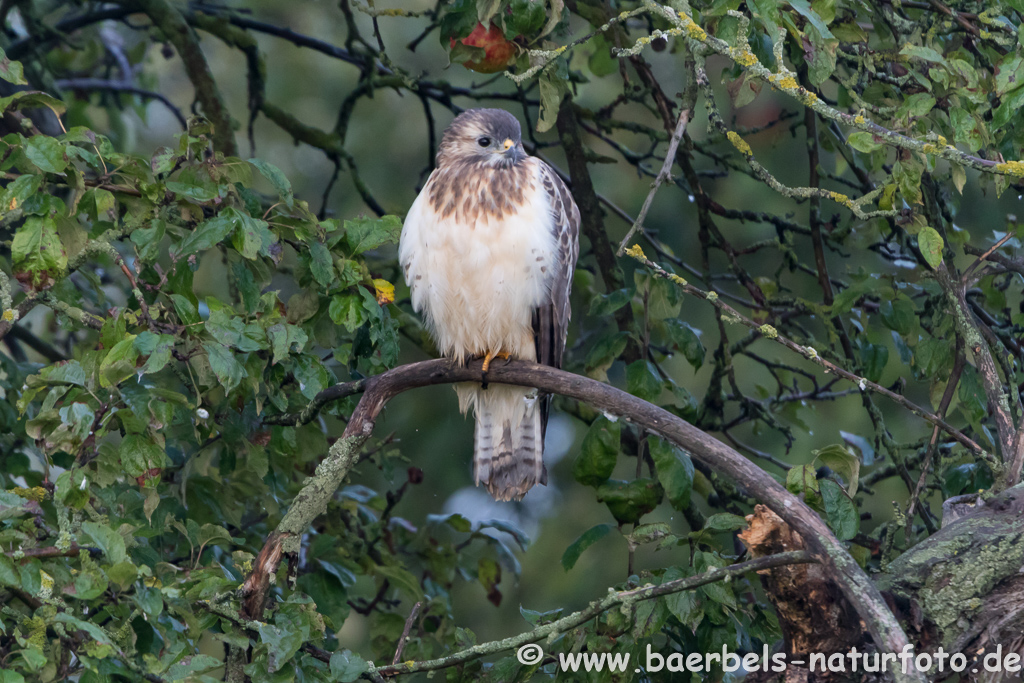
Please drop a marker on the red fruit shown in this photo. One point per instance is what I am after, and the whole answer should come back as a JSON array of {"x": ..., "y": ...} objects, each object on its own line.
[{"x": 498, "y": 52}]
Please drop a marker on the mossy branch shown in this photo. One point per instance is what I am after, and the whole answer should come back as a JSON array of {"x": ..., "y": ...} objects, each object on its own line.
[
  {"x": 785, "y": 81},
  {"x": 176, "y": 29},
  {"x": 621, "y": 599}
]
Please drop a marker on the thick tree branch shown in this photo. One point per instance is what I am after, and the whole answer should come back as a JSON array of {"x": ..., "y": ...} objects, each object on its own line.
[{"x": 312, "y": 500}]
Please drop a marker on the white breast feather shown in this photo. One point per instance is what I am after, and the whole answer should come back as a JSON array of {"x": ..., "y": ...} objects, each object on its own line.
[{"x": 478, "y": 283}]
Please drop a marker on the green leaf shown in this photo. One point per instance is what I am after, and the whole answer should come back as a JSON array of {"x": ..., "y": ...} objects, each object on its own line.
[
  {"x": 108, "y": 540},
  {"x": 119, "y": 363},
  {"x": 364, "y": 234},
  {"x": 191, "y": 664},
  {"x": 586, "y": 539},
  {"x": 899, "y": 314},
  {"x": 607, "y": 348},
  {"x": 649, "y": 533},
  {"x": 347, "y": 310},
  {"x": 552, "y": 89},
  {"x": 921, "y": 52},
  {"x": 841, "y": 461},
  {"x": 12, "y": 72},
  {"x": 157, "y": 347},
  {"x": 46, "y": 153},
  {"x": 687, "y": 339},
  {"x": 628, "y": 501},
  {"x": 598, "y": 453},
  {"x": 186, "y": 310},
  {"x": 862, "y": 141},
  {"x": 685, "y": 605},
  {"x": 38, "y": 256},
  {"x": 321, "y": 264},
  {"x": 840, "y": 510},
  {"x": 8, "y": 574},
  {"x": 209, "y": 233},
  {"x": 31, "y": 98},
  {"x": 282, "y": 337},
  {"x": 642, "y": 380},
  {"x": 347, "y": 667},
  {"x": 675, "y": 471},
  {"x": 223, "y": 363},
  {"x": 724, "y": 521},
  {"x": 95, "y": 632},
  {"x": 401, "y": 578},
  {"x": 252, "y": 236},
  {"x": 929, "y": 241},
  {"x": 284, "y": 638},
  {"x": 277, "y": 179},
  {"x": 526, "y": 17},
  {"x": 802, "y": 479},
  {"x": 139, "y": 455}
]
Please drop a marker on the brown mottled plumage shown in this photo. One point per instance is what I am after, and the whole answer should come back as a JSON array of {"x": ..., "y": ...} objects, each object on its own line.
[{"x": 488, "y": 249}]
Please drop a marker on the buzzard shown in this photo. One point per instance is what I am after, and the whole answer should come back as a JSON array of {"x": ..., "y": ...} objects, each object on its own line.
[{"x": 488, "y": 250}]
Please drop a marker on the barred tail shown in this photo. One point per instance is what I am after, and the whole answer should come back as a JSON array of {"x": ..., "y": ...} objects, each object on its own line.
[{"x": 508, "y": 449}]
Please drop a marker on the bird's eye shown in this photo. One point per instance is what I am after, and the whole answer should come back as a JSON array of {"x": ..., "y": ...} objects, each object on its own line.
[{"x": 484, "y": 141}]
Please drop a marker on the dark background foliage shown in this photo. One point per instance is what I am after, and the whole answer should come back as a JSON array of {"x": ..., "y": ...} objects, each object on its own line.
[{"x": 199, "y": 220}]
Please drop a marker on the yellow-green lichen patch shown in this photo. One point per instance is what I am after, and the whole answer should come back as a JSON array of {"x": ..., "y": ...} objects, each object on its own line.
[
  {"x": 859, "y": 120},
  {"x": 1015, "y": 168},
  {"x": 676, "y": 279},
  {"x": 739, "y": 143},
  {"x": 841, "y": 198},
  {"x": 636, "y": 252},
  {"x": 743, "y": 56},
  {"x": 768, "y": 331},
  {"x": 692, "y": 29},
  {"x": 786, "y": 82}
]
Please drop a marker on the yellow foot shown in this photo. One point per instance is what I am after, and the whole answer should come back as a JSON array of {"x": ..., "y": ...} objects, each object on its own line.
[{"x": 491, "y": 355}]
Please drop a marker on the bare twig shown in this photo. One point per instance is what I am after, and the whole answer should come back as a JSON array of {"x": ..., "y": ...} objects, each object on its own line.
[
  {"x": 665, "y": 174},
  {"x": 415, "y": 612}
]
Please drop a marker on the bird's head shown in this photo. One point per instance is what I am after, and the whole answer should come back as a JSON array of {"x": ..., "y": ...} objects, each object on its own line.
[{"x": 482, "y": 136}]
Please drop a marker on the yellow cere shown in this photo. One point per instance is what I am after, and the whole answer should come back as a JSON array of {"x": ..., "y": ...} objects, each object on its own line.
[
  {"x": 1015, "y": 168},
  {"x": 739, "y": 143},
  {"x": 636, "y": 252}
]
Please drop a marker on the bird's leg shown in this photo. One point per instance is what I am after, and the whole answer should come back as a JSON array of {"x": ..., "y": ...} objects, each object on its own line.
[
  {"x": 488, "y": 357},
  {"x": 491, "y": 355}
]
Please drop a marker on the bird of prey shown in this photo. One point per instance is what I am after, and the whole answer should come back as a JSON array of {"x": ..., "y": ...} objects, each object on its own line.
[{"x": 488, "y": 250}]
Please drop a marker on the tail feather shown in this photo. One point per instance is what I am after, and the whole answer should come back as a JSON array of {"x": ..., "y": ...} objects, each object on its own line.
[{"x": 508, "y": 449}]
